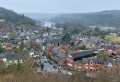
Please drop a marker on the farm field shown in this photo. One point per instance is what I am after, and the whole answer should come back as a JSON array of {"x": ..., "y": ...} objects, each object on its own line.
[
  {"x": 113, "y": 38},
  {"x": 102, "y": 28}
]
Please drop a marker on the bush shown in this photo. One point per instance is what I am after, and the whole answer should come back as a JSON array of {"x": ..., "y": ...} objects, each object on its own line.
[
  {"x": 82, "y": 47},
  {"x": 104, "y": 56}
]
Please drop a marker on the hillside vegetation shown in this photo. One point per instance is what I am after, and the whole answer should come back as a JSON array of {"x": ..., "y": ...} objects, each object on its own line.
[
  {"x": 104, "y": 18},
  {"x": 23, "y": 73},
  {"x": 17, "y": 19}
]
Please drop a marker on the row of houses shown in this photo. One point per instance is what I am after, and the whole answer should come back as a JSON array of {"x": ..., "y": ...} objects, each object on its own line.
[
  {"x": 70, "y": 57},
  {"x": 82, "y": 61},
  {"x": 13, "y": 58}
]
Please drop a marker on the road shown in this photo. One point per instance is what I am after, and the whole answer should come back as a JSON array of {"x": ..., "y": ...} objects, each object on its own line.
[
  {"x": 12, "y": 26},
  {"x": 47, "y": 66}
]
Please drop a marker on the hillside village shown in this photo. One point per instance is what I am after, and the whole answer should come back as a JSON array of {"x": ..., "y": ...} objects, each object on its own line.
[{"x": 50, "y": 53}]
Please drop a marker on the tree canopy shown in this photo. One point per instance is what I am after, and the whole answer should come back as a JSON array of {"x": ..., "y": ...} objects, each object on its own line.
[
  {"x": 21, "y": 46},
  {"x": 104, "y": 18},
  {"x": 1, "y": 49},
  {"x": 104, "y": 56},
  {"x": 17, "y": 19},
  {"x": 66, "y": 38},
  {"x": 82, "y": 47},
  {"x": 72, "y": 44}
]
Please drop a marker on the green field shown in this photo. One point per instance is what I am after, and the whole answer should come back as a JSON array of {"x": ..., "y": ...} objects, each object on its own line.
[
  {"x": 102, "y": 27},
  {"x": 113, "y": 38}
]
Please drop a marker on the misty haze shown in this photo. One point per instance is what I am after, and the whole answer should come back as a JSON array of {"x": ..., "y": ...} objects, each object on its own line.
[{"x": 59, "y": 41}]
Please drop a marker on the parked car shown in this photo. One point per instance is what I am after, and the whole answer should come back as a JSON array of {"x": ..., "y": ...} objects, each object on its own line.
[
  {"x": 50, "y": 62},
  {"x": 45, "y": 61},
  {"x": 45, "y": 57},
  {"x": 55, "y": 67}
]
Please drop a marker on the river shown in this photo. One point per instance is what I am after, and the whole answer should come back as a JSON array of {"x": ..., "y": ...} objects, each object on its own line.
[{"x": 47, "y": 24}]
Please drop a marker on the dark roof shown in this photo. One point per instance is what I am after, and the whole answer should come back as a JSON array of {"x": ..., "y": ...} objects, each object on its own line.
[
  {"x": 58, "y": 54},
  {"x": 114, "y": 49},
  {"x": 3, "y": 34},
  {"x": 15, "y": 56},
  {"x": 103, "y": 41},
  {"x": 95, "y": 61},
  {"x": 89, "y": 41},
  {"x": 80, "y": 41},
  {"x": 111, "y": 42},
  {"x": 113, "y": 62},
  {"x": 53, "y": 40},
  {"x": 71, "y": 48},
  {"x": 31, "y": 50},
  {"x": 104, "y": 46},
  {"x": 111, "y": 47},
  {"x": 118, "y": 53},
  {"x": 98, "y": 44},
  {"x": 82, "y": 54}
]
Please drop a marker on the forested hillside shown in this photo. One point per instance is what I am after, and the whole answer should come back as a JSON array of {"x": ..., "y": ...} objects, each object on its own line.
[
  {"x": 104, "y": 18},
  {"x": 17, "y": 19}
]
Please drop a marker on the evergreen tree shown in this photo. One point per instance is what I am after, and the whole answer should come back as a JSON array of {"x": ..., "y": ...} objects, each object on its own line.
[
  {"x": 82, "y": 47},
  {"x": 72, "y": 44},
  {"x": 21, "y": 47},
  {"x": 97, "y": 29},
  {"x": 18, "y": 67},
  {"x": 1, "y": 50},
  {"x": 102, "y": 37}
]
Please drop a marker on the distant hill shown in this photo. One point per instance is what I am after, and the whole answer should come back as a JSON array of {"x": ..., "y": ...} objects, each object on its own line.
[
  {"x": 104, "y": 18},
  {"x": 16, "y": 19},
  {"x": 41, "y": 16}
]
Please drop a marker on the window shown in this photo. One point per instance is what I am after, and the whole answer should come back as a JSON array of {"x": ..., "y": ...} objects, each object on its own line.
[
  {"x": 90, "y": 65},
  {"x": 75, "y": 65},
  {"x": 86, "y": 65},
  {"x": 91, "y": 62},
  {"x": 79, "y": 70},
  {"x": 79, "y": 67}
]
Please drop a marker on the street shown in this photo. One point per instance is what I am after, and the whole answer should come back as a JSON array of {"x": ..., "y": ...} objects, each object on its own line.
[{"x": 47, "y": 66}]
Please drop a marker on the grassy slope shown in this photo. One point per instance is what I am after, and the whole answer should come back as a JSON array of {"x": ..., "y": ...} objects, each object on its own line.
[{"x": 113, "y": 38}]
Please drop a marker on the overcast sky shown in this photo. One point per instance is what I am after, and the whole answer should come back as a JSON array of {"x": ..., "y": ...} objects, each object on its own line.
[{"x": 60, "y": 6}]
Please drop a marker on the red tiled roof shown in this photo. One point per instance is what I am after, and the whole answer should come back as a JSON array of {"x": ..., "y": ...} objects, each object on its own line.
[
  {"x": 61, "y": 51},
  {"x": 8, "y": 46}
]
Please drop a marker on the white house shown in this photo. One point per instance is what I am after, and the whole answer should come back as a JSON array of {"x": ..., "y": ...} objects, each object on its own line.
[
  {"x": 2, "y": 20},
  {"x": 45, "y": 34}
]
